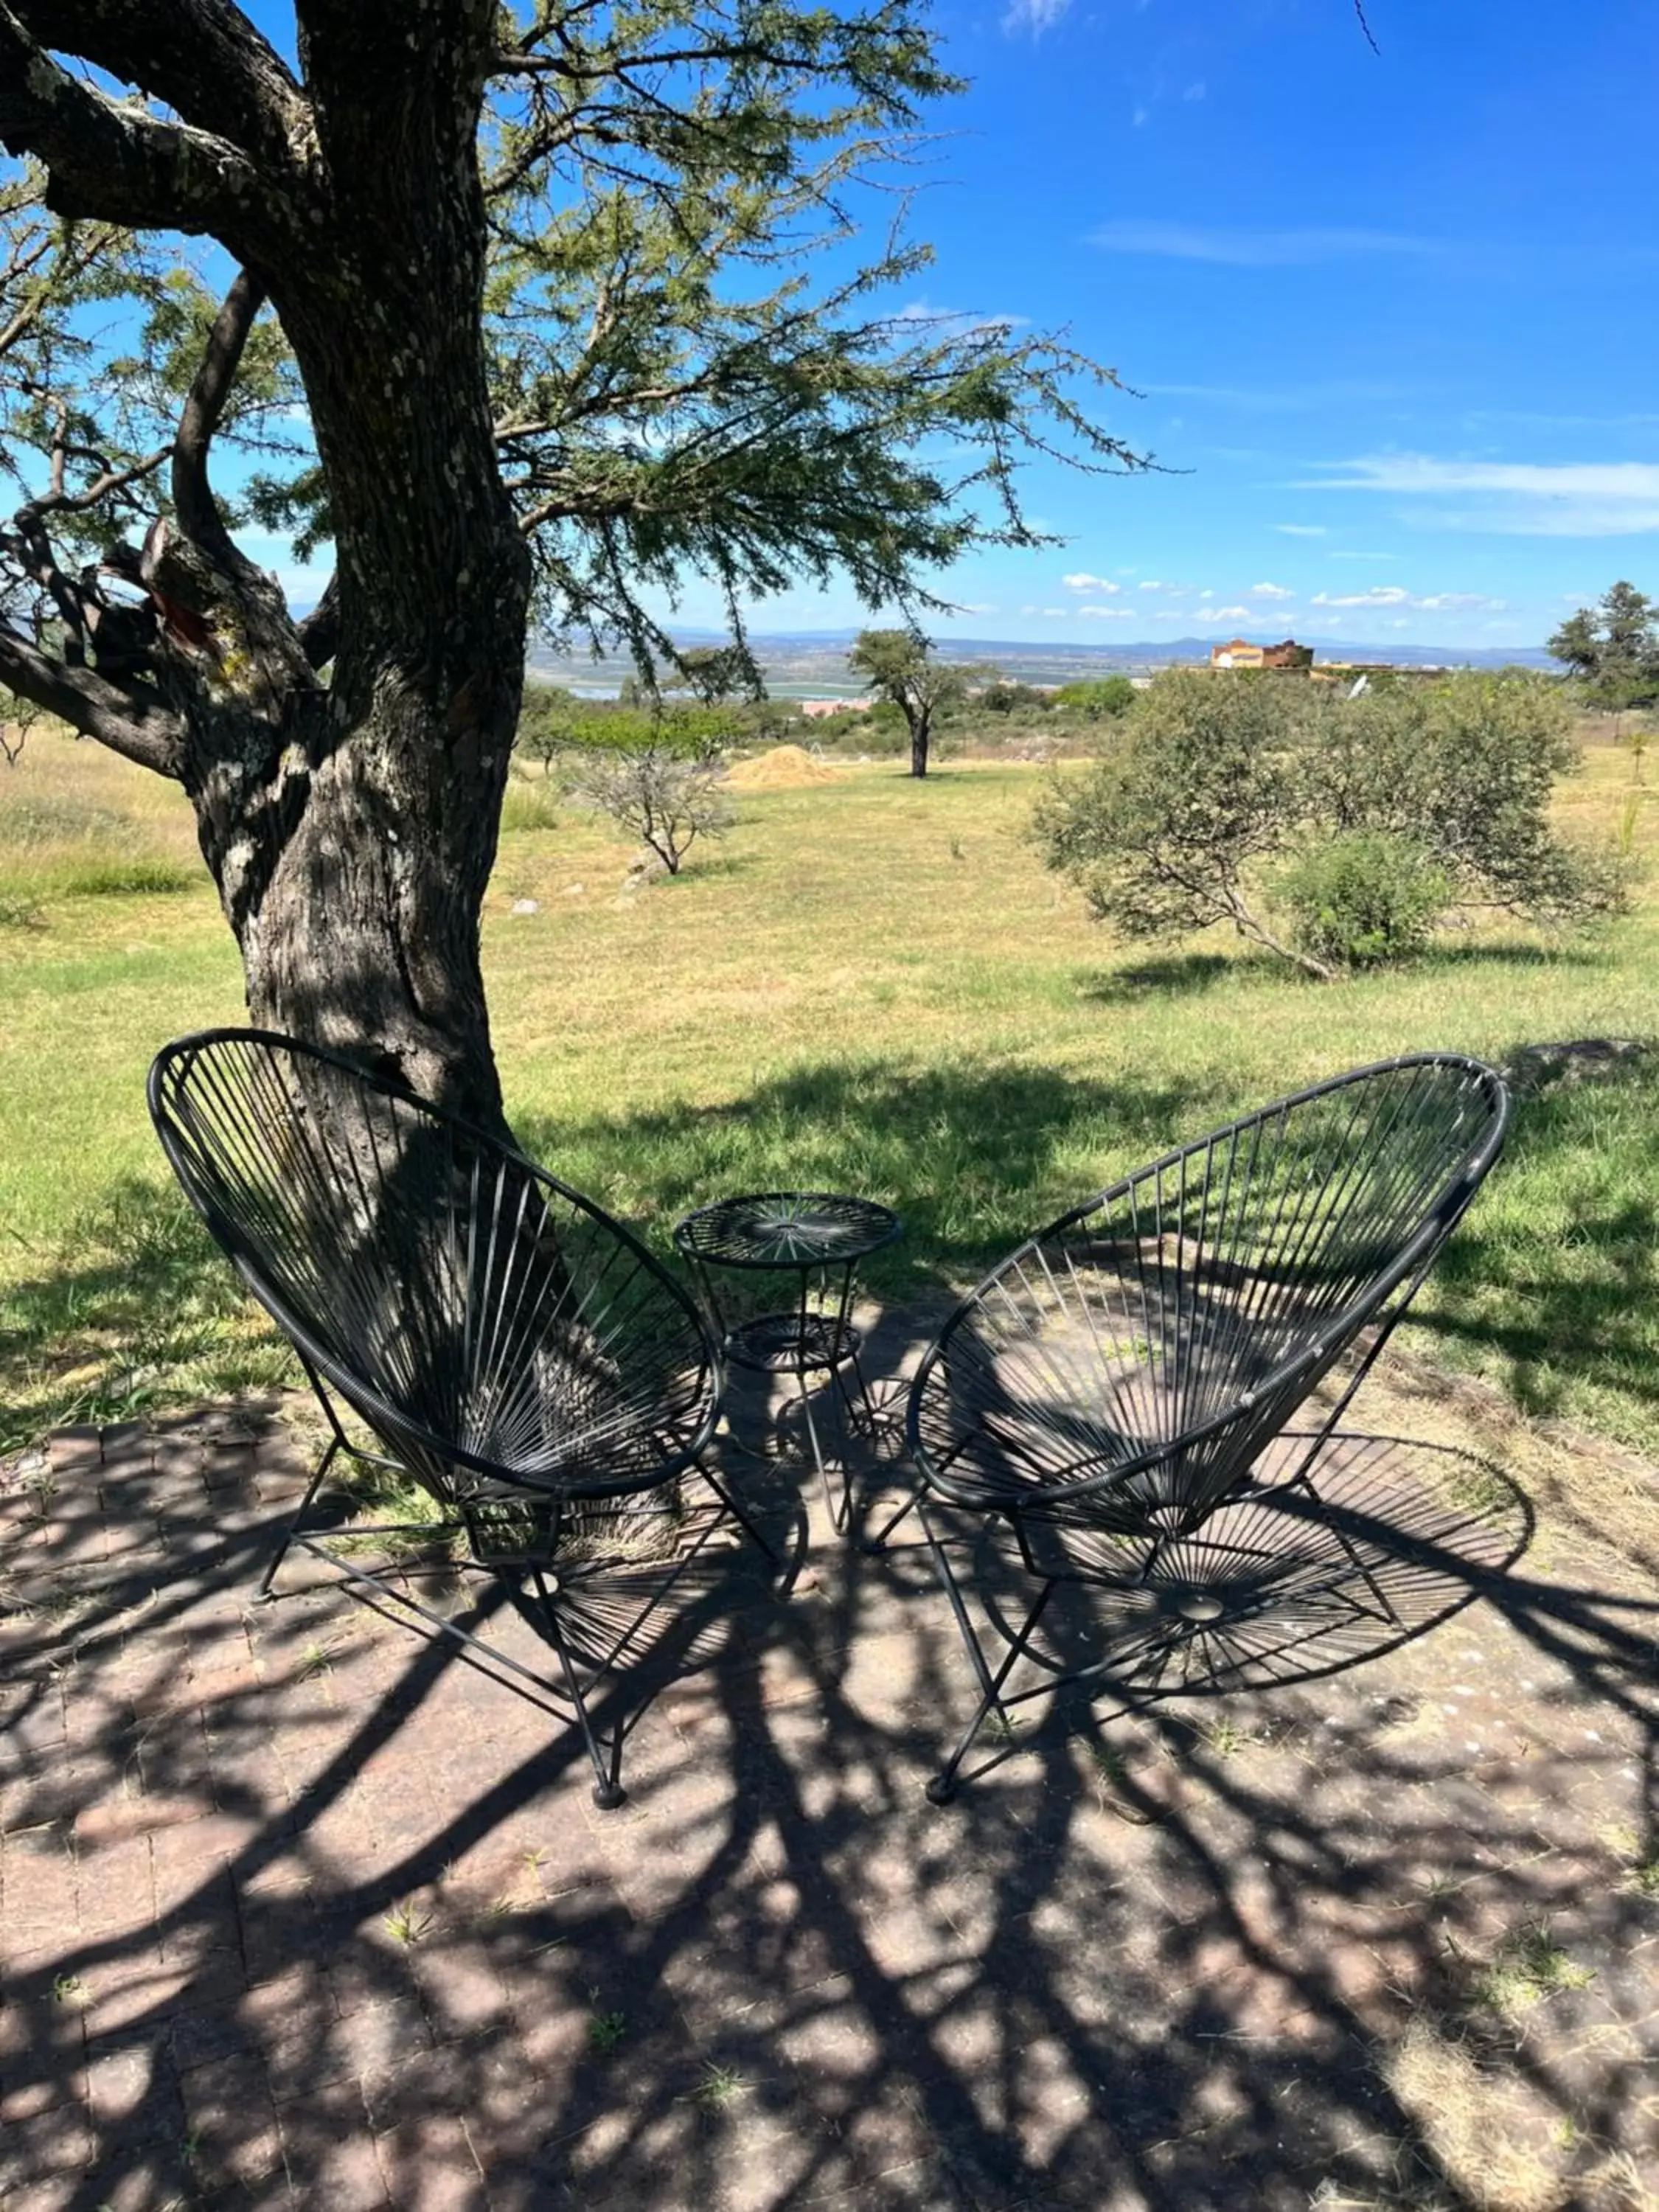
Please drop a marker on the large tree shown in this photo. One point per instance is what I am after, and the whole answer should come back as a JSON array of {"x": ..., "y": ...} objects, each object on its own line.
[{"x": 512, "y": 307}]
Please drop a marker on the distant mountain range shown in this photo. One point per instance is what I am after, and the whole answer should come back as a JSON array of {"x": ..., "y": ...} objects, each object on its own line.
[{"x": 813, "y": 663}]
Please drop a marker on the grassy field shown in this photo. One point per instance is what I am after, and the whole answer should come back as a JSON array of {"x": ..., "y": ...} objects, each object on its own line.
[{"x": 869, "y": 984}]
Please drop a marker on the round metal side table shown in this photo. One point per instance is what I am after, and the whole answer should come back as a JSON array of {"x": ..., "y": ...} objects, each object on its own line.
[{"x": 820, "y": 1237}]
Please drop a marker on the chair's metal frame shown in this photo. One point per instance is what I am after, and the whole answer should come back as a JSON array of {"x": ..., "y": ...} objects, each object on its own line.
[
  {"x": 1106, "y": 1500},
  {"x": 478, "y": 1488}
]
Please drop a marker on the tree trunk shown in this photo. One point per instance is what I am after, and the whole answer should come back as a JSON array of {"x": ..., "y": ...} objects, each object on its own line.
[
  {"x": 920, "y": 733},
  {"x": 352, "y": 830}
]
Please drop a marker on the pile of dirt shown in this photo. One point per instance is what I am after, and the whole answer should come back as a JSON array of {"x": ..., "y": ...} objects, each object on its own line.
[{"x": 781, "y": 769}]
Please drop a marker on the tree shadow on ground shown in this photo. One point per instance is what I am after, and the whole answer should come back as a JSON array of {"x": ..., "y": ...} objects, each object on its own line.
[
  {"x": 974, "y": 1159},
  {"x": 1552, "y": 1283},
  {"x": 291, "y": 1907},
  {"x": 1176, "y": 975}
]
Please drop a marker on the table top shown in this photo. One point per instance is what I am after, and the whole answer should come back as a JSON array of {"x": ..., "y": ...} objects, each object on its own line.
[{"x": 786, "y": 1228}]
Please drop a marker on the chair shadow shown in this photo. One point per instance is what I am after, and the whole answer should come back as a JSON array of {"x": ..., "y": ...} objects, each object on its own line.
[{"x": 1283, "y": 1586}]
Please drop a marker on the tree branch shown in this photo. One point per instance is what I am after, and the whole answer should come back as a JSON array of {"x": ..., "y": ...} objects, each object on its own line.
[
  {"x": 193, "y": 495},
  {"x": 132, "y": 719},
  {"x": 111, "y": 159},
  {"x": 203, "y": 58}
]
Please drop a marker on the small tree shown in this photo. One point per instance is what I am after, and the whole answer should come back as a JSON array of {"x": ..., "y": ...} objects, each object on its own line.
[
  {"x": 1165, "y": 837},
  {"x": 1613, "y": 649},
  {"x": 546, "y": 723},
  {"x": 17, "y": 718},
  {"x": 660, "y": 778},
  {"x": 899, "y": 666}
]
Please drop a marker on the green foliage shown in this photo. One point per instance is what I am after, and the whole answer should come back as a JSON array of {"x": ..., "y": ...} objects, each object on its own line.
[
  {"x": 1001, "y": 694},
  {"x": 1465, "y": 767},
  {"x": 899, "y": 666},
  {"x": 1612, "y": 649},
  {"x": 1219, "y": 777},
  {"x": 1363, "y": 897},
  {"x": 695, "y": 735},
  {"x": 1098, "y": 698},
  {"x": 716, "y": 673},
  {"x": 1161, "y": 837}
]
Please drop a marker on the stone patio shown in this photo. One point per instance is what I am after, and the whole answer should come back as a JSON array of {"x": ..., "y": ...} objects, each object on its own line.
[{"x": 298, "y": 1909}]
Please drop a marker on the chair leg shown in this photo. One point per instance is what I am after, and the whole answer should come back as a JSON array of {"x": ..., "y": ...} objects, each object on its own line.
[
  {"x": 942, "y": 1787},
  {"x": 607, "y": 1792},
  {"x": 265, "y": 1594}
]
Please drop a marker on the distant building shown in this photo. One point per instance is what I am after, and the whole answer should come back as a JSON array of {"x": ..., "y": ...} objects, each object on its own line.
[{"x": 1239, "y": 653}]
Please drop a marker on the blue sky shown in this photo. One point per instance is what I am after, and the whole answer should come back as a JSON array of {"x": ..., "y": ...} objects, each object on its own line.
[{"x": 1392, "y": 315}]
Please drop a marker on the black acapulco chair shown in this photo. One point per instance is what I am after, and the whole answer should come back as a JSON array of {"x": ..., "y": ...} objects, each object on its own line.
[
  {"x": 507, "y": 1344},
  {"x": 1121, "y": 1387}
]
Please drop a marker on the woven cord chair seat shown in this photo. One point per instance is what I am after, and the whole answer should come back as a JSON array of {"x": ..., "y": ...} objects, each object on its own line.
[
  {"x": 1126, "y": 1370},
  {"x": 516, "y": 1351}
]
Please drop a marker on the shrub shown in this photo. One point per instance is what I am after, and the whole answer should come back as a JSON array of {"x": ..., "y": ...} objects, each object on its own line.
[
  {"x": 528, "y": 806},
  {"x": 1363, "y": 897},
  {"x": 663, "y": 789},
  {"x": 1098, "y": 699},
  {"x": 1163, "y": 836},
  {"x": 1218, "y": 778}
]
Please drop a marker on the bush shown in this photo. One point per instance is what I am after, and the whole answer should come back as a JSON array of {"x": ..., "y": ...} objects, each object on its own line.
[
  {"x": 1099, "y": 699},
  {"x": 1363, "y": 897},
  {"x": 1218, "y": 778}
]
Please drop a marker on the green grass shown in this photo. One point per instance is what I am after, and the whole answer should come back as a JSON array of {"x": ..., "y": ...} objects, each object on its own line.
[{"x": 870, "y": 985}]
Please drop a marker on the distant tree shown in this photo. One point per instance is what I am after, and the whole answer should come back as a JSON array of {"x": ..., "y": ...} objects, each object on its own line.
[
  {"x": 997, "y": 694},
  {"x": 546, "y": 720},
  {"x": 717, "y": 672},
  {"x": 899, "y": 666},
  {"x": 1612, "y": 649},
  {"x": 17, "y": 718},
  {"x": 1099, "y": 698}
]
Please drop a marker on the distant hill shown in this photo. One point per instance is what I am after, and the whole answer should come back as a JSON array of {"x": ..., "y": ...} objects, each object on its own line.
[{"x": 813, "y": 663}]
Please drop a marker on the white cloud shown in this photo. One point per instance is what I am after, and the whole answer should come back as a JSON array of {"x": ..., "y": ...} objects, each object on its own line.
[
  {"x": 1083, "y": 581},
  {"x": 1053, "y": 612},
  {"x": 1109, "y": 614},
  {"x": 1393, "y": 595},
  {"x": 1228, "y": 614},
  {"x": 1247, "y": 249},
  {"x": 1522, "y": 499},
  {"x": 978, "y": 607},
  {"x": 1301, "y": 529},
  {"x": 1382, "y": 595},
  {"x": 1151, "y": 587},
  {"x": 1270, "y": 591},
  {"x": 1036, "y": 17}
]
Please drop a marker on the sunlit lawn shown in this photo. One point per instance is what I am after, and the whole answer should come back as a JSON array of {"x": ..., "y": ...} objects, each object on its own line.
[{"x": 869, "y": 984}]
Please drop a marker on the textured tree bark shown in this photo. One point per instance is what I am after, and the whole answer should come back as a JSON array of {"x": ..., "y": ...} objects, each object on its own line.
[{"x": 920, "y": 733}]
